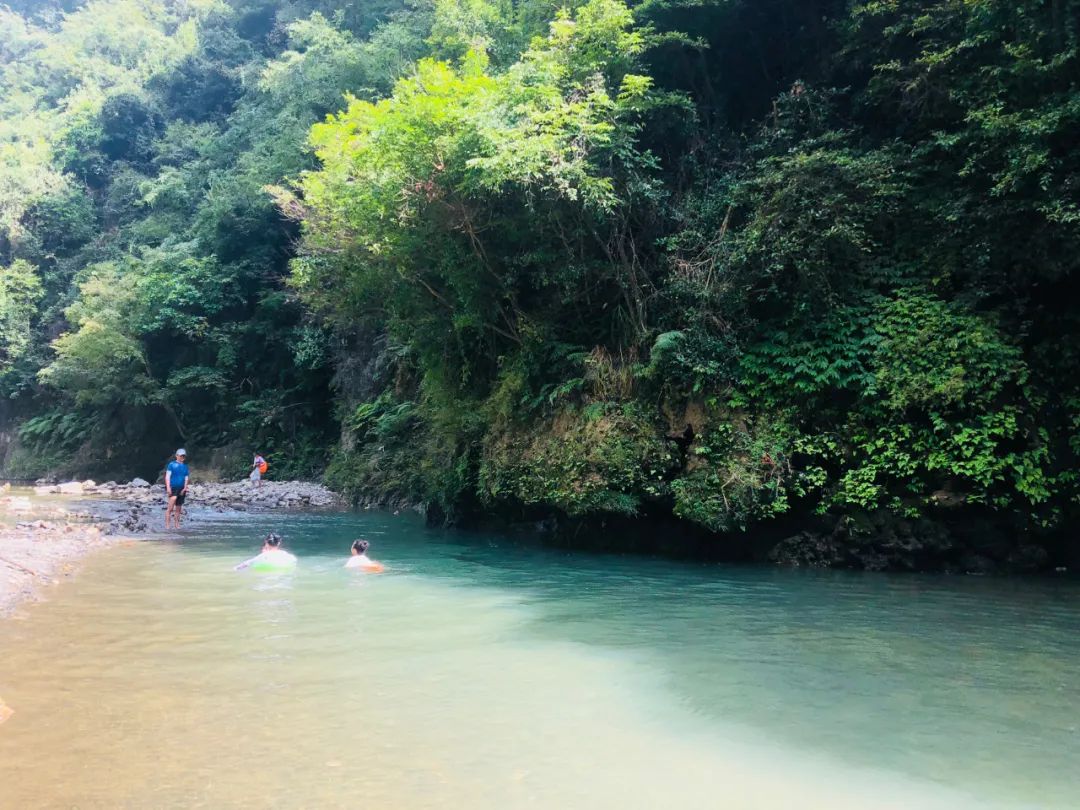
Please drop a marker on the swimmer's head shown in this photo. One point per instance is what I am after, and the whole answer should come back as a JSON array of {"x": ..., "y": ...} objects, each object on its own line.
[
  {"x": 272, "y": 541},
  {"x": 360, "y": 546}
]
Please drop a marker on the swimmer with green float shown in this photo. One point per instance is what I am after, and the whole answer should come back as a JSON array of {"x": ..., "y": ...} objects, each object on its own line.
[{"x": 272, "y": 558}]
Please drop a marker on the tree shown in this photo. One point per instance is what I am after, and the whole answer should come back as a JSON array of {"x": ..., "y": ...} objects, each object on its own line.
[{"x": 20, "y": 291}]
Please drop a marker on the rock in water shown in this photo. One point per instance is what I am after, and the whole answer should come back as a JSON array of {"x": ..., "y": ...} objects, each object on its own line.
[{"x": 71, "y": 488}]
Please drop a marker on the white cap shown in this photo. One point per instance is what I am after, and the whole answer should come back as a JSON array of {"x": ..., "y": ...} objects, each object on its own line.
[{"x": 181, "y": 452}]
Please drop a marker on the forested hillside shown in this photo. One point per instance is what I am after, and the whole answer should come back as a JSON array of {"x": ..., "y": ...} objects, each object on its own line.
[{"x": 759, "y": 265}]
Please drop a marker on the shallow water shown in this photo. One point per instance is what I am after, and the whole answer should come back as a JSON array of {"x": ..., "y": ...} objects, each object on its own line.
[{"x": 480, "y": 672}]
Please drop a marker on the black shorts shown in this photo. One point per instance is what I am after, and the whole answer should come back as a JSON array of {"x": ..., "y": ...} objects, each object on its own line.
[{"x": 179, "y": 498}]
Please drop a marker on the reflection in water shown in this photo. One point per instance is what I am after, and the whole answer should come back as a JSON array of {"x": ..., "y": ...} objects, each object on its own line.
[{"x": 479, "y": 673}]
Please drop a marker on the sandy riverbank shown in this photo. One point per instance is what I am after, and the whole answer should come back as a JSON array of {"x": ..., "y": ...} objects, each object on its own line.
[{"x": 37, "y": 555}]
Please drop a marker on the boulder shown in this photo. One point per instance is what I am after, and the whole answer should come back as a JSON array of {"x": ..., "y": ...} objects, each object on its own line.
[
  {"x": 1029, "y": 558},
  {"x": 807, "y": 550},
  {"x": 972, "y": 563},
  {"x": 71, "y": 488},
  {"x": 139, "y": 482}
]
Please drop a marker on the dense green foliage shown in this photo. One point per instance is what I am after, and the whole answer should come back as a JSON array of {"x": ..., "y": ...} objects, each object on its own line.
[
  {"x": 143, "y": 298},
  {"x": 728, "y": 260}
]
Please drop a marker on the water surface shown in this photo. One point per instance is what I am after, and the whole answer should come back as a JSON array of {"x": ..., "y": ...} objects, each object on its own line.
[{"x": 482, "y": 672}]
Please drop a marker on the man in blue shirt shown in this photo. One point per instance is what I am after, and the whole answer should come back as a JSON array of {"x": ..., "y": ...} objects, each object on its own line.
[{"x": 177, "y": 478}]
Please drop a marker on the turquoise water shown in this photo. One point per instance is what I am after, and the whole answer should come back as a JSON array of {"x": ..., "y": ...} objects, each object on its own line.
[{"x": 481, "y": 671}]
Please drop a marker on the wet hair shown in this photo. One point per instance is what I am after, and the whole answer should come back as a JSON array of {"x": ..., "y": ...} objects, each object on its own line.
[
  {"x": 360, "y": 546},
  {"x": 273, "y": 540}
]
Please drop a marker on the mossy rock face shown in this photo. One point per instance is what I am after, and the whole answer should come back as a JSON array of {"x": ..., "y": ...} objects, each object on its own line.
[
  {"x": 807, "y": 550},
  {"x": 872, "y": 541},
  {"x": 604, "y": 458}
]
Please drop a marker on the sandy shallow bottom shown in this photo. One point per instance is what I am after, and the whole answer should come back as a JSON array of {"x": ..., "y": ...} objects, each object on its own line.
[
  {"x": 150, "y": 682},
  {"x": 33, "y": 563}
]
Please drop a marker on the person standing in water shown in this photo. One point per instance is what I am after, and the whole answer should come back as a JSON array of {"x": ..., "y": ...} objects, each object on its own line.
[
  {"x": 258, "y": 469},
  {"x": 177, "y": 478},
  {"x": 360, "y": 559}
]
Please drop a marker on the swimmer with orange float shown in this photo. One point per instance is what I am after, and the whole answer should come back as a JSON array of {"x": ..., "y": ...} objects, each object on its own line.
[{"x": 360, "y": 559}]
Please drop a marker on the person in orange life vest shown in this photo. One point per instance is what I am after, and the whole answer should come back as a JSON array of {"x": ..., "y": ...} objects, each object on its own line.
[{"x": 258, "y": 469}]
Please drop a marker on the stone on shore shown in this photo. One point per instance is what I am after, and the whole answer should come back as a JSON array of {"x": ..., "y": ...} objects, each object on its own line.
[
  {"x": 17, "y": 504},
  {"x": 238, "y": 495}
]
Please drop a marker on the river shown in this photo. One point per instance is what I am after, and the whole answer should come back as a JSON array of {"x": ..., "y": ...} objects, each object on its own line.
[{"x": 485, "y": 672}]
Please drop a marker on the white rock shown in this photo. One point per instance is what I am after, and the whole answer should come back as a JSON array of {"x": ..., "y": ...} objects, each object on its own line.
[
  {"x": 71, "y": 488},
  {"x": 19, "y": 504},
  {"x": 138, "y": 482}
]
